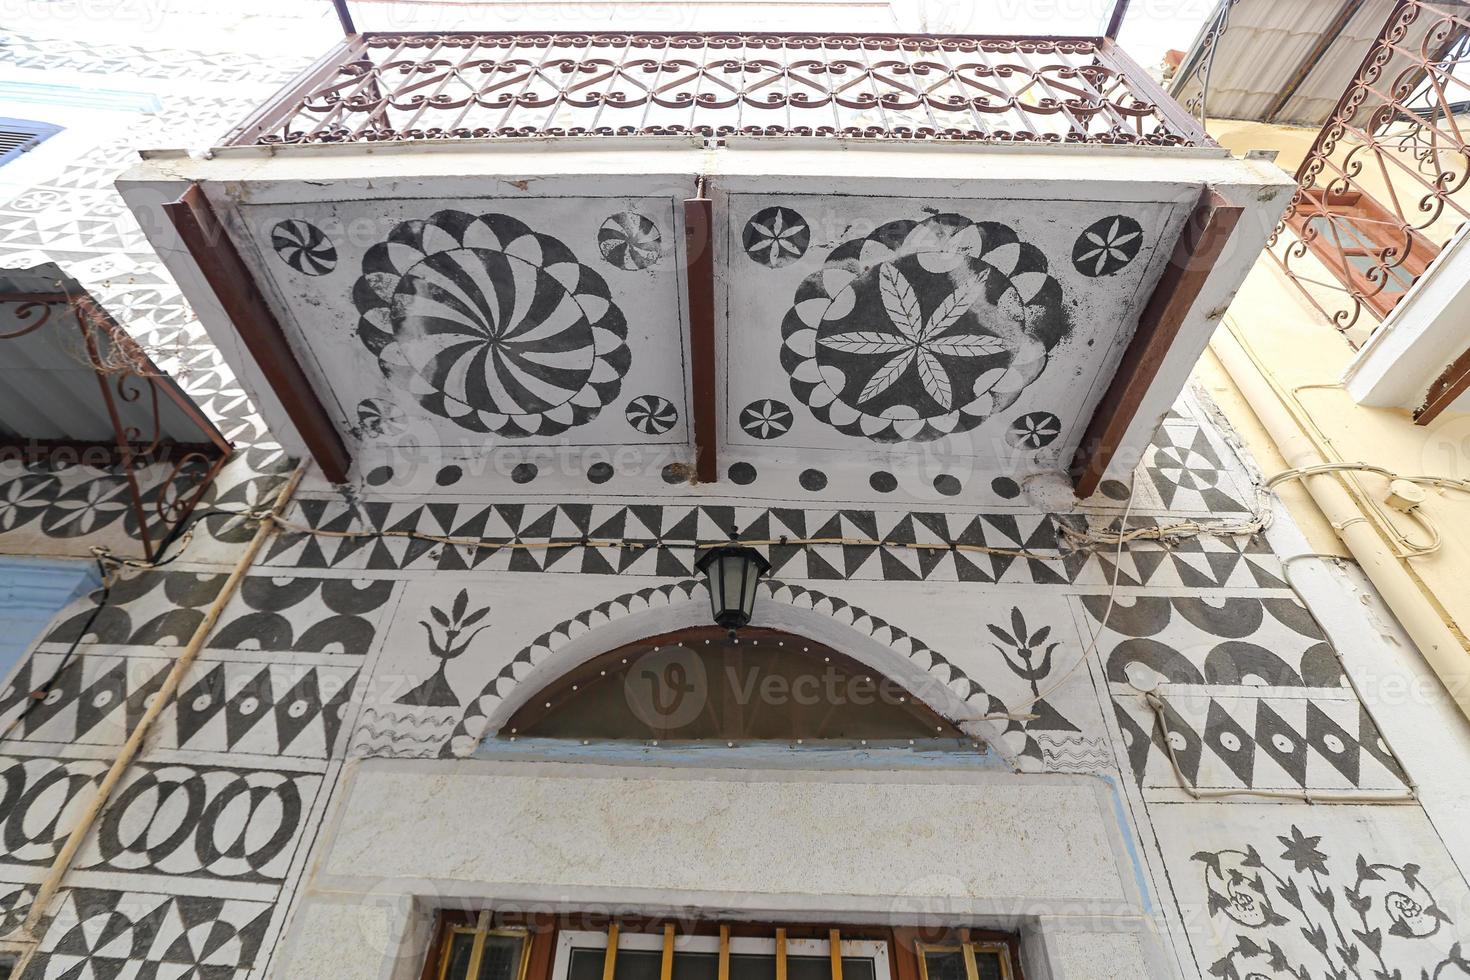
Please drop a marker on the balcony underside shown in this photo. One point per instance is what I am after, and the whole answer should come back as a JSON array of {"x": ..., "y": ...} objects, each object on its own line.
[{"x": 893, "y": 302}]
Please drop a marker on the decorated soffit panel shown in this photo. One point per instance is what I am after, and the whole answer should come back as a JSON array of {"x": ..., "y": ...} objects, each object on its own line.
[
  {"x": 988, "y": 327},
  {"x": 469, "y": 323}
]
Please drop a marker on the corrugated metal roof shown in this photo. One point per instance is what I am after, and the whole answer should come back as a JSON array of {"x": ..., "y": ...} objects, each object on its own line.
[{"x": 1267, "y": 43}]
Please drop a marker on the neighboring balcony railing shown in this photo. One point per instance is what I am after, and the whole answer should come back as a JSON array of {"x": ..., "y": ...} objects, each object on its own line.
[
  {"x": 1383, "y": 187},
  {"x": 384, "y": 87}
]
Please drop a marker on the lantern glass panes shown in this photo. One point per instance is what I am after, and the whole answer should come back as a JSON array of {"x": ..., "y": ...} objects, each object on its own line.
[{"x": 732, "y": 573}]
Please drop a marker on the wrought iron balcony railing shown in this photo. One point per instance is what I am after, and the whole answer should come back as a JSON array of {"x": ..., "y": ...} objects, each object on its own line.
[
  {"x": 1383, "y": 187},
  {"x": 384, "y": 87}
]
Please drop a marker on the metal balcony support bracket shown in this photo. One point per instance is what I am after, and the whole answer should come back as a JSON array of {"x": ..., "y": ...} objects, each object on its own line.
[
  {"x": 699, "y": 267},
  {"x": 1199, "y": 246},
  {"x": 237, "y": 293}
]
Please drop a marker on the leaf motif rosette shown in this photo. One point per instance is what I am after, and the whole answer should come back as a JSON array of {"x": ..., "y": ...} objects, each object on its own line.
[
  {"x": 922, "y": 328},
  {"x": 491, "y": 325}
]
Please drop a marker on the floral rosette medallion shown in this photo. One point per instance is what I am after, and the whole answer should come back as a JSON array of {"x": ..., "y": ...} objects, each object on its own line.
[
  {"x": 491, "y": 325},
  {"x": 922, "y": 329}
]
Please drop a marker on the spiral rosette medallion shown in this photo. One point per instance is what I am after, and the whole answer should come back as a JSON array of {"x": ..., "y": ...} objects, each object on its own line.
[
  {"x": 922, "y": 328},
  {"x": 493, "y": 326}
]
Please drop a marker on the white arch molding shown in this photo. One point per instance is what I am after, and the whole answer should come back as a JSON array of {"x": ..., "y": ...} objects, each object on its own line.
[{"x": 868, "y": 639}]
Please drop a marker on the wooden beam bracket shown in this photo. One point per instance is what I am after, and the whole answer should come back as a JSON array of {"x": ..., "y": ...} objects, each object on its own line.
[
  {"x": 235, "y": 288},
  {"x": 699, "y": 265},
  {"x": 1198, "y": 248}
]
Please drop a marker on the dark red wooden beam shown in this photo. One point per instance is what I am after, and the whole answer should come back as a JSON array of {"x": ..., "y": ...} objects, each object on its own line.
[
  {"x": 1195, "y": 253},
  {"x": 1453, "y": 382},
  {"x": 247, "y": 309},
  {"x": 699, "y": 264}
]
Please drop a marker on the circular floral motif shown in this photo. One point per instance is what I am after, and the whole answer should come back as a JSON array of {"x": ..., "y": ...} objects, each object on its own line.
[
  {"x": 304, "y": 247},
  {"x": 1034, "y": 430},
  {"x": 651, "y": 414},
  {"x": 766, "y": 418},
  {"x": 491, "y": 325},
  {"x": 629, "y": 241},
  {"x": 25, "y": 497},
  {"x": 776, "y": 236},
  {"x": 1107, "y": 246},
  {"x": 922, "y": 328}
]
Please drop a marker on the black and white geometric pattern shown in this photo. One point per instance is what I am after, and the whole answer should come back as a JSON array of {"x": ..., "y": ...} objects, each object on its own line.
[
  {"x": 1187, "y": 472},
  {"x": 486, "y": 363},
  {"x": 281, "y": 709},
  {"x": 1228, "y": 641},
  {"x": 316, "y": 615},
  {"x": 776, "y": 236},
  {"x": 163, "y": 819},
  {"x": 1034, "y": 430},
  {"x": 664, "y": 536},
  {"x": 629, "y": 241},
  {"x": 652, "y": 415},
  {"x": 1225, "y": 742},
  {"x": 922, "y": 328},
  {"x": 1107, "y": 246},
  {"x": 304, "y": 247},
  {"x": 100, "y": 933},
  {"x": 766, "y": 418}
]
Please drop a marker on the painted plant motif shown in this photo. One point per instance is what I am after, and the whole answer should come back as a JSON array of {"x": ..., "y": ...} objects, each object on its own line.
[
  {"x": 922, "y": 328},
  {"x": 1304, "y": 925},
  {"x": 496, "y": 327},
  {"x": 1028, "y": 654},
  {"x": 434, "y": 691}
]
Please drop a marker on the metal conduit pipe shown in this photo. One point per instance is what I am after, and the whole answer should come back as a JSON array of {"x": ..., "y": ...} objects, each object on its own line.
[
  {"x": 1439, "y": 645},
  {"x": 130, "y": 748}
]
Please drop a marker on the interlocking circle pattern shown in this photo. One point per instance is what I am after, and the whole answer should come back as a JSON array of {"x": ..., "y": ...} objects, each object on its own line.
[
  {"x": 304, "y": 247},
  {"x": 496, "y": 327},
  {"x": 922, "y": 328}
]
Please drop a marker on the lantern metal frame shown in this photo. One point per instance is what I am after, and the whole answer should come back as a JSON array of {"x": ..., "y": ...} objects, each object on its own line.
[{"x": 709, "y": 565}]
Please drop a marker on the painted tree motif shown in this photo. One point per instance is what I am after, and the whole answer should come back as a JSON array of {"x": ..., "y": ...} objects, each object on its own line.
[
  {"x": 1301, "y": 924},
  {"x": 434, "y": 691},
  {"x": 1029, "y": 656}
]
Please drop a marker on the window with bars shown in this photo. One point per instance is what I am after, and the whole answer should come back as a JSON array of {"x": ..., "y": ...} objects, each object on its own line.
[
  {"x": 490, "y": 947},
  {"x": 1373, "y": 254}
]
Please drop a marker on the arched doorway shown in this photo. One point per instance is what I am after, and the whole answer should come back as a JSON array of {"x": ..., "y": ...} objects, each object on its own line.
[{"x": 702, "y": 684}]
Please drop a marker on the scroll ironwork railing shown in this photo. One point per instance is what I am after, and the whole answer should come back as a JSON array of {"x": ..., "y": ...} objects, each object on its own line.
[
  {"x": 1382, "y": 189},
  {"x": 380, "y": 87},
  {"x": 159, "y": 444}
]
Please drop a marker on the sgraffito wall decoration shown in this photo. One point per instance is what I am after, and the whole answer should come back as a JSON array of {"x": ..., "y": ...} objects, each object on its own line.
[
  {"x": 987, "y": 326},
  {"x": 466, "y": 323}
]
